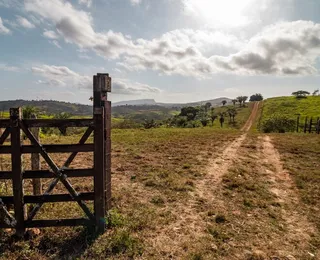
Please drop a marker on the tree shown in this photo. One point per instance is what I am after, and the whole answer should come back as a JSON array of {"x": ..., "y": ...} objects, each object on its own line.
[
  {"x": 29, "y": 111},
  {"x": 256, "y": 97},
  {"x": 242, "y": 100},
  {"x": 239, "y": 100},
  {"x": 224, "y": 102},
  {"x": 62, "y": 115},
  {"x": 189, "y": 112},
  {"x": 221, "y": 119},
  {"x": 301, "y": 94},
  {"x": 232, "y": 112},
  {"x": 207, "y": 106},
  {"x": 234, "y": 101},
  {"x": 212, "y": 116},
  {"x": 316, "y": 92},
  {"x": 203, "y": 116}
]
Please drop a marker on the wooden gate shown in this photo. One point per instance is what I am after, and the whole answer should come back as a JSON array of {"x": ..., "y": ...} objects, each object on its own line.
[{"x": 99, "y": 125}]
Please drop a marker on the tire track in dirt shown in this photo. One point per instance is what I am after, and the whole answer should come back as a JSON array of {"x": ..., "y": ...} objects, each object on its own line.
[
  {"x": 189, "y": 224},
  {"x": 299, "y": 229},
  {"x": 219, "y": 166}
]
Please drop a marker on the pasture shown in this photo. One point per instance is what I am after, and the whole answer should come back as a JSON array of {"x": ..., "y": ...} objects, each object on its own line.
[{"x": 201, "y": 193}]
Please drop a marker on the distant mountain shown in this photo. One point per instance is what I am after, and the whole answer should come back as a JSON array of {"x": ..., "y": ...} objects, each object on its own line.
[{"x": 214, "y": 102}]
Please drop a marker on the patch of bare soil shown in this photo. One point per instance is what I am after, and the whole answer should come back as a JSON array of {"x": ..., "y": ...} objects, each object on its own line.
[{"x": 298, "y": 228}]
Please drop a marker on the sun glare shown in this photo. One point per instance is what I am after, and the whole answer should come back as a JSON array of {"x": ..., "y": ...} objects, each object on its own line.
[{"x": 220, "y": 12}]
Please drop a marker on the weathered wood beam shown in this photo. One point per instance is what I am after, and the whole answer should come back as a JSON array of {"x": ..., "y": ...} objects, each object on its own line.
[{"x": 50, "y": 198}]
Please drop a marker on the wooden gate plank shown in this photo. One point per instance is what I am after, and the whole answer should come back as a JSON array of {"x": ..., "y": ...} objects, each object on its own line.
[
  {"x": 82, "y": 141},
  {"x": 59, "y": 223},
  {"x": 16, "y": 162},
  {"x": 4, "y": 135},
  {"x": 50, "y": 198}
]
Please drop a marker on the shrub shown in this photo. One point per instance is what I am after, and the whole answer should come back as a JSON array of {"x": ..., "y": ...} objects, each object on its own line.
[{"x": 278, "y": 124}]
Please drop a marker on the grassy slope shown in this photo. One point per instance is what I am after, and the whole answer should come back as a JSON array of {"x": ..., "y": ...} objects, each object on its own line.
[
  {"x": 290, "y": 106},
  {"x": 243, "y": 114}
]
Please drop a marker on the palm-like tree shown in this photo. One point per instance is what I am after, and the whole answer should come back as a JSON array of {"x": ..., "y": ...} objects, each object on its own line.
[{"x": 234, "y": 101}]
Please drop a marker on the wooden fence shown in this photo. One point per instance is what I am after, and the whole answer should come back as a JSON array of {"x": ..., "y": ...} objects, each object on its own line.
[
  {"x": 308, "y": 124},
  {"x": 99, "y": 125}
]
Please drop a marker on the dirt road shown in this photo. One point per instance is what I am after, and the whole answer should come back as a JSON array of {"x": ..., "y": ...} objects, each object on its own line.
[{"x": 256, "y": 158}]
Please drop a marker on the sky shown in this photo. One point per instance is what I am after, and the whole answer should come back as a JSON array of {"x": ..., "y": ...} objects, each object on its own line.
[{"x": 167, "y": 50}]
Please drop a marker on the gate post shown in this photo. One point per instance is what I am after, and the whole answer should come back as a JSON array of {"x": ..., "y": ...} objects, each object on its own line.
[
  {"x": 102, "y": 144},
  {"x": 16, "y": 162}
]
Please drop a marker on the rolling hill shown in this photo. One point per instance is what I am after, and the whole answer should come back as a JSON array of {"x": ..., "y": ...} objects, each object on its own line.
[
  {"x": 123, "y": 107},
  {"x": 49, "y": 106}
]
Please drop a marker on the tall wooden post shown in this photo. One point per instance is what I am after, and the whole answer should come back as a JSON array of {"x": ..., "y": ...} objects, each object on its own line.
[
  {"x": 310, "y": 125},
  {"x": 298, "y": 122},
  {"x": 16, "y": 162},
  {"x": 305, "y": 125},
  {"x": 35, "y": 161},
  {"x": 102, "y": 157}
]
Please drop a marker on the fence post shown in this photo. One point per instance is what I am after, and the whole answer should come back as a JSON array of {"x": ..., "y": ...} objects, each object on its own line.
[
  {"x": 298, "y": 122},
  {"x": 16, "y": 162},
  {"x": 305, "y": 125},
  {"x": 310, "y": 125},
  {"x": 99, "y": 156},
  {"x": 35, "y": 161}
]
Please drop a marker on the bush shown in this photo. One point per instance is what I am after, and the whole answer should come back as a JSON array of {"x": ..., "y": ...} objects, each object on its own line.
[{"x": 278, "y": 124}]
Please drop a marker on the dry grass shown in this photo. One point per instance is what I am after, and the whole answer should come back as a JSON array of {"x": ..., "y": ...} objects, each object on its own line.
[
  {"x": 193, "y": 194},
  {"x": 153, "y": 171}
]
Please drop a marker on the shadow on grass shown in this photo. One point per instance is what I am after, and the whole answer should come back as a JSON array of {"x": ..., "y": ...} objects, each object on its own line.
[
  {"x": 74, "y": 246},
  {"x": 65, "y": 243}
]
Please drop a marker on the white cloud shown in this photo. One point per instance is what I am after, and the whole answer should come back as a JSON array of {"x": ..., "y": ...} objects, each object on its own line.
[
  {"x": 286, "y": 48},
  {"x": 87, "y": 3},
  {"x": 3, "y": 29},
  {"x": 24, "y": 22},
  {"x": 50, "y": 34},
  {"x": 55, "y": 43},
  {"x": 61, "y": 76},
  {"x": 126, "y": 87},
  {"x": 135, "y": 2},
  {"x": 5, "y": 67},
  {"x": 76, "y": 27}
]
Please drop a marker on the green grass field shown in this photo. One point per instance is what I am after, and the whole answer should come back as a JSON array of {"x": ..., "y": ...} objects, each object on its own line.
[
  {"x": 291, "y": 106},
  {"x": 284, "y": 111}
]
